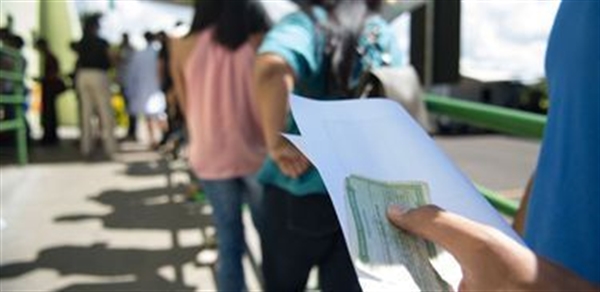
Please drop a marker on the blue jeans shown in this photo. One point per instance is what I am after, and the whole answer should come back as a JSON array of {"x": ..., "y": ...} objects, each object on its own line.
[{"x": 226, "y": 198}]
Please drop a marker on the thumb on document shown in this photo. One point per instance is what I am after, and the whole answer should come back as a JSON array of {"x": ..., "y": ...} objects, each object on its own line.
[{"x": 463, "y": 238}]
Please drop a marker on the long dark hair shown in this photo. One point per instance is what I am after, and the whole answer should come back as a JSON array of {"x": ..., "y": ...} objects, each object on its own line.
[
  {"x": 234, "y": 21},
  {"x": 344, "y": 25}
]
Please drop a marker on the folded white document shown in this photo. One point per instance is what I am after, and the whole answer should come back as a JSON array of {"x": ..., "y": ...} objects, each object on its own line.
[{"x": 352, "y": 142}]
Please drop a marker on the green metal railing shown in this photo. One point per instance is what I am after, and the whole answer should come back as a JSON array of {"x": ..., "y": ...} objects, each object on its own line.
[
  {"x": 504, "y": 120},
  {"x": 504, "y": 205},
  {"x": 15, "y": 99}
]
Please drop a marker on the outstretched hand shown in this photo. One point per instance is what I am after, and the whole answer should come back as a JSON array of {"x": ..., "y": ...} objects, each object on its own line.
[
  {"x": 289, "y": 159},
  {"x": 490, "y": 260}
]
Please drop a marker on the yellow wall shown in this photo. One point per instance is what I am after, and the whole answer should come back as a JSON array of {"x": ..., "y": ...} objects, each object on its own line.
[{"x": 60, "y": 25}]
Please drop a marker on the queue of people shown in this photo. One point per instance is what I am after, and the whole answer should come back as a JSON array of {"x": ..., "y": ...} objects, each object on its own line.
[
  {"x": 229, "y": 80},
  {"x": 307, "y": 53},
  {"x": 142, "y": 77}
]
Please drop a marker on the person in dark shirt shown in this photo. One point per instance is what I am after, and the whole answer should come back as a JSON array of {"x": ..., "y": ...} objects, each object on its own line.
[
  {"x": 93, "y": 87},
  {"x": 93, "y": 50},
  {"x": 52, "y": 86}
]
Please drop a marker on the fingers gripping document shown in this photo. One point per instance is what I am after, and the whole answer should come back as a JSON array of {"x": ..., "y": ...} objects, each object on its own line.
[
  {"x": 351, "y": 140},
  {"x": 382, "y": 249}
]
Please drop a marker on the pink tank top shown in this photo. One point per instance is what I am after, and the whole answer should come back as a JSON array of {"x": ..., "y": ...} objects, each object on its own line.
[{"x": 222, "y": 120}]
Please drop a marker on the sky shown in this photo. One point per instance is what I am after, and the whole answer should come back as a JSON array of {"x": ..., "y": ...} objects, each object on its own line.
[
  {"x": 501, "y": 39},
  {"x": 505, "y": 39}
]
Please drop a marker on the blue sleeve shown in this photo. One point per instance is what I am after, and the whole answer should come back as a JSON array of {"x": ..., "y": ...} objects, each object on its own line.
[
  {"x": 293, "y": 39},
  {"x": 563, "y": 222}
]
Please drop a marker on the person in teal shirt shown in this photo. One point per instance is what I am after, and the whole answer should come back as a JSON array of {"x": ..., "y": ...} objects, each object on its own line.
[{"x": 309, "y": 54}]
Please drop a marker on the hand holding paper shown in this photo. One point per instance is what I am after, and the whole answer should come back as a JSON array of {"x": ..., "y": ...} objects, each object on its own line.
[
  {"x": 382, "y": 250},
  {"x": 376, "y": 138},
  {"x": 490, "y": 260},
  {"x": 289, "y": 159}
]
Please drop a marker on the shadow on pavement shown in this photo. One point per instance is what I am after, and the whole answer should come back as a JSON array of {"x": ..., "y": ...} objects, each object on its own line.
[
  {"x": 146, "y": 168},
  {"x": 66, "y": 151},
  {"x": 135, "y": 269},
  {"x": 98, "y": 260},
  {"x": 146, "y": 209},
  {"x": 145, "y": 285}
]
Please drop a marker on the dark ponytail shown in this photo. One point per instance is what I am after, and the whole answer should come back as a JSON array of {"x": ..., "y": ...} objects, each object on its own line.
[
  {"x": 234, "y": 20},
  {"x": 206, "y": 14},
  {"x": 240, "y": 19}
]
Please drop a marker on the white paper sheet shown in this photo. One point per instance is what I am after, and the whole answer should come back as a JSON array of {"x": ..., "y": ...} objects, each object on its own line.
[{"x": 376, "y": 138}]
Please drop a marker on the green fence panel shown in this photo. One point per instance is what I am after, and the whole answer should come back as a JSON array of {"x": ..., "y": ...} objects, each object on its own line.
[
  {"x": 12, "y": 76},
  {"x": 12, "y": 99},
  {"x": 16, "y": 100},
  {"x": 503, "y": 205}
]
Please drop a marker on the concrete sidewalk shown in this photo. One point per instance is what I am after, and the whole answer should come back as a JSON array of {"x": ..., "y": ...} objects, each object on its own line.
[{"x": 103, "y": 226}]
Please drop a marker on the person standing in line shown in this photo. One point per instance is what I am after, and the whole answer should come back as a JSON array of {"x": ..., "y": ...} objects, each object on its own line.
[
  {"x": 124, "y": 54},
  {"x": 174, "y": 124},
  {"x": 212, "y": 69},
  {"x": 310, "y": 53},
  {"x": 143, "y": 88},
  {"x": 93, "y": 87},
  {"x": 52, "y": 86}
]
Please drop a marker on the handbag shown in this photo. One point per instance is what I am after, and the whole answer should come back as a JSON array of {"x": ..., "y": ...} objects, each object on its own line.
[{"x": 400, "y": 84}]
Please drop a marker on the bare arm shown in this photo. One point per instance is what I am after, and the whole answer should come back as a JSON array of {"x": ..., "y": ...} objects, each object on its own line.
[
  {"x": 519, "y": 223},
  {"x": 490, "y": 260},
  {"x": 274, "y": 81}
]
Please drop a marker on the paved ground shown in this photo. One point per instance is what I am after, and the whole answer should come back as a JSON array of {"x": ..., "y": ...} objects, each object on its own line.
[
  {"x": 103, "y": 226},
  {"x": 125, "y": 225},
  {"x": 500, "y": 163}
]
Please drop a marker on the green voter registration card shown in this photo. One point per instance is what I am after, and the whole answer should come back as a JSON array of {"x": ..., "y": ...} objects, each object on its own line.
[{"x": 378, "y": 244}]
